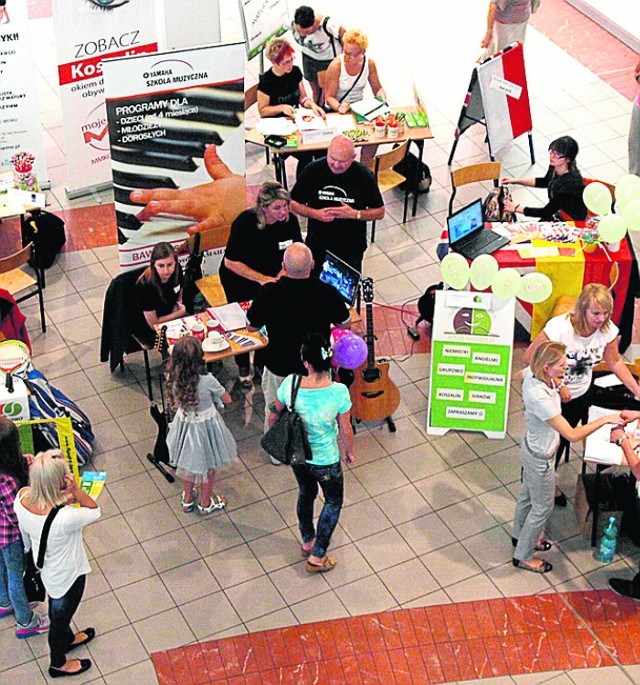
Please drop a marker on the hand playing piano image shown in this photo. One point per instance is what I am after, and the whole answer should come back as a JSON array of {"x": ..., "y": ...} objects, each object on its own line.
[{"x": 210, "y": 205}]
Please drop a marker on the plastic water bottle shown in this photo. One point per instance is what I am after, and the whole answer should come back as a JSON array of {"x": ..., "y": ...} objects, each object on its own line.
[{"x": 608, "y": 541}]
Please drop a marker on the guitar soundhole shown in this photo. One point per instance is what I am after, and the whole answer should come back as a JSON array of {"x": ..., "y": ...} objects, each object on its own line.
[{"x": 371, "y": 375}]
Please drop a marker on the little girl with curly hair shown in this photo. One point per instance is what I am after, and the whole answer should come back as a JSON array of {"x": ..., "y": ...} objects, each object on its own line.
[{"x": 198, "y": 440}]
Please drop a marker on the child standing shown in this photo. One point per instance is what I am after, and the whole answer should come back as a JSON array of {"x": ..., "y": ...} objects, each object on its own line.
[
  {"x": 14, "y": 474},
  {"x": 198, "y": 440}
]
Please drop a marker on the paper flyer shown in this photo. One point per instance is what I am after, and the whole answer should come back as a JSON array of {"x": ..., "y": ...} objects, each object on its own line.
[{"x": 92, "y": 482}]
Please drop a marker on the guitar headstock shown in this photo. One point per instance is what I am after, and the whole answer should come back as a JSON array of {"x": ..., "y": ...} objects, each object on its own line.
[
  {"x": 367, "y": 289},
  {"x": 161, "y": 343}
]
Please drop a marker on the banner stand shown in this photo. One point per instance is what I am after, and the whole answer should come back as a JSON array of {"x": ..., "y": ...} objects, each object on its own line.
[{"x": 498, "y": 99}]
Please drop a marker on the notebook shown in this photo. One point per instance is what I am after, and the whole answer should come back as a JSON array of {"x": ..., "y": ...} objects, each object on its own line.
[
  {"x": 468, "y": 235},
  {"x": 344, "y": 278}
]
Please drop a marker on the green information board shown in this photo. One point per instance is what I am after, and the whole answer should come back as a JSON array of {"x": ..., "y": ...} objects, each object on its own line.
[{"x": 471, "y": 350}]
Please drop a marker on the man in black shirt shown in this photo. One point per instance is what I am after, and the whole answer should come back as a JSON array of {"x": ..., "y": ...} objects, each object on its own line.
[
  {"x": 291, "y": 308},
  {"x": 338, "y": 196}
]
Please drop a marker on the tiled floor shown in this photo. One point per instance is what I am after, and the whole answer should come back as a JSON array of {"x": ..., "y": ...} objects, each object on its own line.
[{"x": 427, "y": 520}]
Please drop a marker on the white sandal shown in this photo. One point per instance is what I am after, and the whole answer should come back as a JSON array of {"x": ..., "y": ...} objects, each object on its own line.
[
  {"x": 215, "y": 502},
  {"x": 188, "y": 507}
]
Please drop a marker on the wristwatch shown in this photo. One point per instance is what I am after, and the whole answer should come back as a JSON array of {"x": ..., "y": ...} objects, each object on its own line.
[{"x": 619, "y": 440}]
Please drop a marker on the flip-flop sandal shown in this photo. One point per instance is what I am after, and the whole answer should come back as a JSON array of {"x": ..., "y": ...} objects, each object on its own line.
[
  {"x": 89, "y": 632},
  {"x": 328, "y": 564},
  {"x": 544, "y": 567},
  {"x": 215, "y": 502},
  {"x": 307, "y": 552},
  {"x": 543, "y": 546},
  {"x": 187, "y": 507}
]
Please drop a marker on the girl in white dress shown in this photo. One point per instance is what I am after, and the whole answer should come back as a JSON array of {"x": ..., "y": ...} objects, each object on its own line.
[{"x": 198, "y": 440}]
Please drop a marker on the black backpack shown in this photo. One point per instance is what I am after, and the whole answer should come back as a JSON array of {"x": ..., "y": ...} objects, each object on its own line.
[
  {"x": 408, "y": 168},
  {"x": 46, "y": 231}
]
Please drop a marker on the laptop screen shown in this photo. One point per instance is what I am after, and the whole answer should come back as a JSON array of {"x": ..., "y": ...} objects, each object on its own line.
[
  {"x": 465, "y": 221},
  {"x": 344, "y": 278}
]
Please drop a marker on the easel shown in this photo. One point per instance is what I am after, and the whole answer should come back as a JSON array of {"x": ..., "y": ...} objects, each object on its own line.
[{"x": 498, "y": 99}]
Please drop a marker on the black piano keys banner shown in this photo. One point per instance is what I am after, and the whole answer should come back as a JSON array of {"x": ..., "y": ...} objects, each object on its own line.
[{"x": 177, "y": 144}]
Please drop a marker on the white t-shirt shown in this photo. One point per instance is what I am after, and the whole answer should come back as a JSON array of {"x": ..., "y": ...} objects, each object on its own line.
[
  {"x": 541, "y": 403},
  {"x": 319, "y": 45},
  {"x": 65, "y": 558},
  {"x": 582, "y": 353}
]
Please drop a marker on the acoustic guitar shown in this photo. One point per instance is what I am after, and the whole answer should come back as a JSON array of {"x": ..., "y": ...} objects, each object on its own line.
[{"x": 373, "y": 394}]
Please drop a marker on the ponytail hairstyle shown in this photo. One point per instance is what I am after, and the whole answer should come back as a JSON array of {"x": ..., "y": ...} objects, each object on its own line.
[
  {"x": 12, "y": 463},
  {"x": 546, "y": 355},
  {"x": 317, "y": 352},
  {"x": 186, "y": 365},
  {"x": 566, "y": 147}
]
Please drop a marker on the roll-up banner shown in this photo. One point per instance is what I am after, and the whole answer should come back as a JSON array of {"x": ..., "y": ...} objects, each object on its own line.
[
  {"x": 20, "y": 129},
  {"x": 86, "y": 33},
  {"x": 262, "y": 20},
  {"x": 177, "y": 144}
]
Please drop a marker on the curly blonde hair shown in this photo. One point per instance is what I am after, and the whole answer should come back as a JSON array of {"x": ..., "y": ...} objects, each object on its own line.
[
  {"x": 356, "y": 37},
  {"x": 183, "y": 374}
]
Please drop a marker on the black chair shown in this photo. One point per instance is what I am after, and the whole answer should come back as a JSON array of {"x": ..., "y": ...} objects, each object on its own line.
[
  {"x": 16, "y": 280},
  {"x": 122, "y": 324}
]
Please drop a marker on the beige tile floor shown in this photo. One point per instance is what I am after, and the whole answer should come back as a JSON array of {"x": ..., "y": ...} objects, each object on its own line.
[{"x": 426, "y": 520}]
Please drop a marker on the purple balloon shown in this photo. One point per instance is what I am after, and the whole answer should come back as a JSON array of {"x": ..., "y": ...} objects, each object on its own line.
[{"x": 350, "y": 351}]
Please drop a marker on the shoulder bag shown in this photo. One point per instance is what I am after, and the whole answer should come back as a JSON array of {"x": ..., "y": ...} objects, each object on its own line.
[
  {"x": 287, "y": 439},
  {"x": 33, "y": 585}
]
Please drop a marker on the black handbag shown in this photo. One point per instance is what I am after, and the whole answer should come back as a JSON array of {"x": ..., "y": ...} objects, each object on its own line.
[
  {"x": 33, "y": 586},
  {"x": 287, "y": 439}
]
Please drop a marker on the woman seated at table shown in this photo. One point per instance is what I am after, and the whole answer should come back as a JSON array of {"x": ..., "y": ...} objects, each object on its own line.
[
  {"x": 589, "y": 336},
  {"x": 564, "y": 184},
  {"x": 347, "y": 76},
  {"x": 253, "y": 256},
  {"x": 159, "y": 290},
  {"x": 281, "y": 89}
]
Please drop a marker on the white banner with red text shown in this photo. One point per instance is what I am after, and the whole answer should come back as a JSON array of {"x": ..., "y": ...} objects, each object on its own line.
[{"x": 87, "y": 33}]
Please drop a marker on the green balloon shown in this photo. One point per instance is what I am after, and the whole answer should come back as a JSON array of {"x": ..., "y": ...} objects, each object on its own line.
[
  {"x": 612, "y": 228},
  {"x": 627, "y": 194},
  {"x": 597, "y": 197},
  {"x": 506, "y": 283},
  {"x": 483, "y": 269},
  {"x": 455, "y": 270},
  {"x": 535, "y": 288},
  {"x": 627, "y": 181},
  {"x": 631, "y": 215}
]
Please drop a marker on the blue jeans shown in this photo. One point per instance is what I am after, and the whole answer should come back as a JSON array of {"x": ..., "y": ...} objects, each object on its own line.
[
  {"x": 61, "y": 612},
  {"x": 11, "y": 587},
  {"x": 331, "y": 481}
]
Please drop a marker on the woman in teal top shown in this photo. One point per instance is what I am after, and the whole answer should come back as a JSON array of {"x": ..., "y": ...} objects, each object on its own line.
[{"x": 325, "y": 408}]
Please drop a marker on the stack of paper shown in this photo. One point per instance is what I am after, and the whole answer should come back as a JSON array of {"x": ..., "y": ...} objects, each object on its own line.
[{"x": 231, "y": 316}]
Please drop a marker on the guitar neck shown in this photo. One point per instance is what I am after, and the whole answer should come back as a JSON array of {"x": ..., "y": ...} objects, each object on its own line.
[{"x": 370, "y": 337}]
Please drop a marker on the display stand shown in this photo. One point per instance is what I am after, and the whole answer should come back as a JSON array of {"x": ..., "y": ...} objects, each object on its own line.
[
  {"x": 262, "y": 21},
  {"x": 471, "y": 350},
  {"x": 498, "y": 99}
]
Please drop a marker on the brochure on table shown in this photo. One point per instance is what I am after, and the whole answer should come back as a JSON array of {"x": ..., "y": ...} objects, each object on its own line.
[{"x": 471, "y": 350}]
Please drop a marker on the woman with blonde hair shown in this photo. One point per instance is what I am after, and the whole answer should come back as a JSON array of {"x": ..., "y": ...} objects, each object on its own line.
[
  {"x": 589, "y": 336},
  {"x": 255, "y": 250},
  {"x": 349, "y": 73},
  {"x": 52, "y": 488},
  {"x": 545, "y": 424}
]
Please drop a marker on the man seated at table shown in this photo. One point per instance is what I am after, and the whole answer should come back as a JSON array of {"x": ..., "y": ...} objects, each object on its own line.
[
  {"x": 291, "y": 308},
  {"x": 630, "y": 446},
  {"x": 338, "y": 196}
]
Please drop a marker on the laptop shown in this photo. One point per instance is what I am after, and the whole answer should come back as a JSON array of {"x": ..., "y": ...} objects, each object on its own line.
[
  {"x": 344, "y": 278},
  {"x": 467, "y": 234}
]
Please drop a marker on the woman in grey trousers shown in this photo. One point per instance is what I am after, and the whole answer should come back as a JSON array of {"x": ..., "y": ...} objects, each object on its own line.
[{"x": 543, "y": 379}]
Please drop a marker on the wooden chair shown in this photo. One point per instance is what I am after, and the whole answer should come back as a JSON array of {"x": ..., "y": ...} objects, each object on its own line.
[
  {"x": 474, "y": 173},
  {"x": 565, "y": 302},
  {"x": 387, "y": 178},
  {"x": 210, "y": 286},
  {"x": 16, "y": 280}
]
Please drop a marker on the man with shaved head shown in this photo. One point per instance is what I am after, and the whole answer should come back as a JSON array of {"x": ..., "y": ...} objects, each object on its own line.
[
  {"x": 291, "y": 308},
  {"x": 338, "y": 196}
]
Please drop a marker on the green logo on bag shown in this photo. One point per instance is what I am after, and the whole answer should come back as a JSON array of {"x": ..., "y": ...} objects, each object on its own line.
[{"x": 11, "y": 409}]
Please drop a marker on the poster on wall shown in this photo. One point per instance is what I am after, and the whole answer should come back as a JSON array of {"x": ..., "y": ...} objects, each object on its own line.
[
  {"x": 21, "y": 143},
  {"x": 88, "y": 31},
  {"x": 262, "y": 20},
  {"x": 177, "y": 144},
  {"x": 471, "y": 350}
]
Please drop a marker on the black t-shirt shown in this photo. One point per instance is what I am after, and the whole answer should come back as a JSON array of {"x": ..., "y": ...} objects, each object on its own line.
[
  {"x": 565, "y": 194},
  {"x": 262, "y": 250},
  {"x": 150, "y": 299},
  {"x": 318, "y": 187},
  {"x": 282, "y": 90},
  {"x": 291, "y": 309}
]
